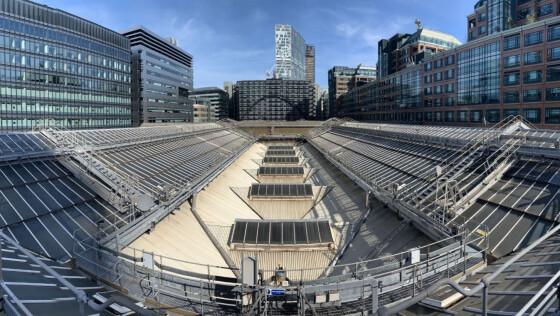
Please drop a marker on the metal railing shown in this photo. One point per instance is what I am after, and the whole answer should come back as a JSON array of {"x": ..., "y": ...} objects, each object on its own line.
[
  {"x": 81, "y": 296},
  {"x": 483, "y": 285},
  {"x": 166, "y": 285}
]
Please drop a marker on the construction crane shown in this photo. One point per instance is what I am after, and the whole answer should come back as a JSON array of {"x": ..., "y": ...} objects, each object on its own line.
[{"x": 271, "y": 71}]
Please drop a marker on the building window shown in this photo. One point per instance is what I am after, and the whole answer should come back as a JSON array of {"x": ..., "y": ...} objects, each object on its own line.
[
  {"x": 492, "y": 116},
  {"x": 544, "y": 10},
  {"x": 450, "y": 60},
  {"x": 427, "y": 103},
  {"x": 462, "y": 116},
  {"x": 552, "y": 115},
  {"x": 438, "y": 76},
  {"x": 419, "y": 116},
  {"x": 553, "y": 54},
  {"x": 512, "y": 61},
  {"x": 522, "y": 14},
  {"x": 449, "y": 116},
  {"x": 428, "y": 79},
  {"x": 428, "y": 91},
  {"x": 554, "y": 32},
  {"x": 428, "y": 116},
  {"x": 553, "y": 94},
  {"x": 472, "y": 35},
  {"x": 553, "y": 73},
  {"x": 511, "y": 78},
  {"x": 532, "y": 58},
  {"x": 532, "y": 95},
  {"x": 511, "y": 97},
  {"x": 476, "y": 116},
  {"x": 511, "y": 42},
  {"x": 450, "y": 74},
  {"x": 534, "y": 76},
  {"x": 532, "y": 115},
  {"x": 437, "y": 103},
  {"x": 437, "y": 116},
  {"x": 449, "y": 102},
  {"x": 533, "y": 38},
  {"x": 428, "y": 66},
  {"x": 482, "y": 16},
  {"x": 450, "y": 87},
  {"x": 437, "y": 90},
  {"x": 438, "y": 63},
  {"x": 511, "y": 112},
  {"x": 482, "y": 29}
]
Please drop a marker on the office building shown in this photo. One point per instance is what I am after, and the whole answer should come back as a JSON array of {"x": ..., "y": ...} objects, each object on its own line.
[
  {"x": 290, "y": 53},
  {"x": 162, "y": 77},
  {"x": 515, "y": 72},
  {"x": 310, "y": 63},
  {"x": 494, "y": 16},
  {"x": 342, "y": 79},
  {"x": 219, "y": 100},
  {"x": 228, "y": 88},
  {"x": 404, "y": 50},
  {"x": 203, "y": 111},
  {"x": 274, "y": 99},
  {"x": 57, "y": 69},
  {"x": 386, "y": 58}
]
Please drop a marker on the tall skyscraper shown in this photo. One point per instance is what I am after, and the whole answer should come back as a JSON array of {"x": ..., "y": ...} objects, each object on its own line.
[
  {"x": 310, "y": 63},
  {"x": 290, "y": 53},
  {"x": 60, "y": 70},
  {"x": 162, "y": 77}
]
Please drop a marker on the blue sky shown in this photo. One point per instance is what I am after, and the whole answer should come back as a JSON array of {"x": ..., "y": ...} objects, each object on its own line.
[{"x": 233, "y": 40}]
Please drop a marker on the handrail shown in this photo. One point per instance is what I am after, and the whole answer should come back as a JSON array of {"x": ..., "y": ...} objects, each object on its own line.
[
  {"x": 467, "y": 149},
  {"x": 504, "y": 151},
  {"x": 486, "y": 281},
  {"x": 81, "y": 295}
]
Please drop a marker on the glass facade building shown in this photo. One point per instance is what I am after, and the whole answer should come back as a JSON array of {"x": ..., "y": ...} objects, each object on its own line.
[
  {"x": 162, "y": 78},
  {"x": 290, "y": 53},
  {"x": 274, "y": 99},
  {"x": 515, "y": 72},
  {"x": 60, "y": 70},
  {"x": 478, "y": 75}
]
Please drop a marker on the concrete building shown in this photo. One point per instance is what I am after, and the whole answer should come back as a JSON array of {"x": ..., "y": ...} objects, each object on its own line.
[
  {"x": 290, "y": 53},
  {"x": 219, "y": 99},
  {"x": 162, "y": 77},
  {"x": 60, "y": 70},
  {"x": 274, "y": 99},
  {"x": 228, "y": 87},
  {"x": 342, "y": 79},
  {"x": 310, "y": 63},
  {"x": 515, "y": 72},
  {"x": 203, "y": 111}
]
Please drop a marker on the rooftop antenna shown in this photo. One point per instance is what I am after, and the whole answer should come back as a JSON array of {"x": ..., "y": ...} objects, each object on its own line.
[{"x": 417, "y": 22}]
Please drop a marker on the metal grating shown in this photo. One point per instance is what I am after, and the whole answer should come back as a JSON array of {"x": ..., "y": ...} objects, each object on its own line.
[
  {"x": 281, "y": 190},
  {"x": 280, "y": 152},
  {"x": 285, "y": 160},
  {"x": 276, "y": 232},
  {"x": 276, "y": 171}
]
